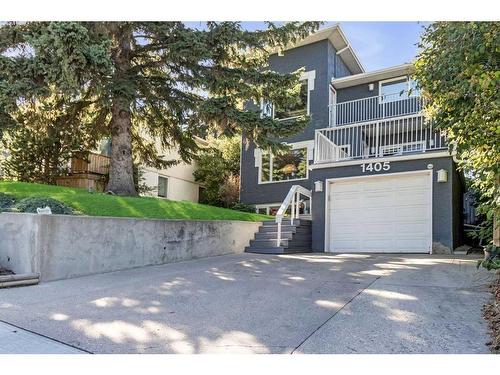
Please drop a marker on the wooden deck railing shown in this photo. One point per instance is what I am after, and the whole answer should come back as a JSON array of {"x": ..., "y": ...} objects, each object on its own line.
[{"x": 96, "y": 163}]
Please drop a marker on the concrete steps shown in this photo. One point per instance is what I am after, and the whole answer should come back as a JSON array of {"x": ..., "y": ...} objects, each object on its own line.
[{"x": 295, "y": 238}]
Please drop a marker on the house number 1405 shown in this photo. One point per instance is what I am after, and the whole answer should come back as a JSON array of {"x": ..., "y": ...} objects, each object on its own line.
[{"x": 375, "y": 167}]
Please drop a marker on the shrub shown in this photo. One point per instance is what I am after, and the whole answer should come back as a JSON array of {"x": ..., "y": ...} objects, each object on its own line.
[
  {"x": 30, "y": 204},
  {"x": 243, "y": 207},
  {"x": 492, "y": 260},
  {"x": 6, "y": 202}
]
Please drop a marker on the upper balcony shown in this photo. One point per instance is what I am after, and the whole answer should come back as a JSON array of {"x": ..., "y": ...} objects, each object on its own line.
[
  {"x": 379, "y": 107},
  {"x": 375, "y": 127}
]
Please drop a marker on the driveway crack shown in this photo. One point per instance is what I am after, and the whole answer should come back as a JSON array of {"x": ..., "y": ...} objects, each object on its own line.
[{"x": 334, "y": 314}]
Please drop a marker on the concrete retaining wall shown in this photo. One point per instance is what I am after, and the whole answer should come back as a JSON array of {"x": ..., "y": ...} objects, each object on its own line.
[{"x": 61, "y": 247}]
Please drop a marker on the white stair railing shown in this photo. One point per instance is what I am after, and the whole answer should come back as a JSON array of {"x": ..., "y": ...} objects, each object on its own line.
[{"x": 292, "y": 200}]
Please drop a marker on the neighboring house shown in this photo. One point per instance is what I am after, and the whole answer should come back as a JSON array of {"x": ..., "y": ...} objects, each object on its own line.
[
  {"x": 368, "y": 171},
  {"x": 174, "y": 183}
]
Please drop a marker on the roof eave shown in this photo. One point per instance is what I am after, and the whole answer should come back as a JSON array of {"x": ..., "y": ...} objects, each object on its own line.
[{"x": 377, "y": 75}]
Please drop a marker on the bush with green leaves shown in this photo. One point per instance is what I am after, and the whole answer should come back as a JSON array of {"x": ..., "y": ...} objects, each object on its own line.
[
  {"x": 6, "y": 202},
  {"x": 30, "y": 205},
  {"x": 243, "y": 207},
  {"x": 492, "y": 259}
]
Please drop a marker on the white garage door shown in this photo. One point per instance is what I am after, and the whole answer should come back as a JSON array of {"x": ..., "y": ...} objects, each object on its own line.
[{"x": 389, "y": 213}]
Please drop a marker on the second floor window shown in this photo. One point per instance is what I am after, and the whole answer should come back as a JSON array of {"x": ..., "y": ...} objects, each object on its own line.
[
  {"x": 297, "y": 109},
  {"x": 397, "y": 89}
]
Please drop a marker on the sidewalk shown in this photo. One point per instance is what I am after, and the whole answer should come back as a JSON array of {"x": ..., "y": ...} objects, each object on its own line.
[{"x": 15, "y": 340}]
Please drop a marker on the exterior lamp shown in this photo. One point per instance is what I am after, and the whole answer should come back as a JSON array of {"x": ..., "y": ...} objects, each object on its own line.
[
  {"x": 371, "y": 87},
  {"x": 318, "y": 186},
  {"x": 442, "y": 175}
]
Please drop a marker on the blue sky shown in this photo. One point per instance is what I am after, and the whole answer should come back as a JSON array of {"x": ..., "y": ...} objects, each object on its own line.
[{"x": 377, "y": 44}]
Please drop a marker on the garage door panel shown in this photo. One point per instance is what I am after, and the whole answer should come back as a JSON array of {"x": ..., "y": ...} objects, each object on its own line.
[
  {"x": 412, "y": 245},
  {"x": 381, "y": 214},
  {"x": 411, "y": 213},
  {"x": 370, "y": 215},
  {"x": 375, "y": 200},
  {"x": 408, "y": 198},
  {"x": 355, "y": 187},
  {"x": 346, "y": 245},
  {"x": 347, "y": 202},
  {"x": 344, "y": 231}
]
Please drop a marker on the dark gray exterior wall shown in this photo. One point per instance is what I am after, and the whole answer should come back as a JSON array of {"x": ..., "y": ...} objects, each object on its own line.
[
  {"x": 356, "y": 92},
  {"x": 319, "y": 56},
  {"x": 310, "y": 57},
  {"x": 444, "y": 224}
]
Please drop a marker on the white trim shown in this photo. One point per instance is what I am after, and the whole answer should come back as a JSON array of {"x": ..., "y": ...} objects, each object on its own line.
[
  {"x": 328, "y": 182},
  {"x": 426, "y": 155},
  {"x": 332, "y": 101},
  {"x": 377, "y": 75},
  {"x": 339, "y": 41}
]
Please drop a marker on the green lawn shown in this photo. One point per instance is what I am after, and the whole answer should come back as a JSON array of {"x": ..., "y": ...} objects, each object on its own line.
[{"x": 98, "y": 204}]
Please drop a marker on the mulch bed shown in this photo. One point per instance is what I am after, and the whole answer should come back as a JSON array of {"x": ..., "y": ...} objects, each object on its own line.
[
  {"x": 5, "y": 271},
  {"x": 491, "y": 313}
]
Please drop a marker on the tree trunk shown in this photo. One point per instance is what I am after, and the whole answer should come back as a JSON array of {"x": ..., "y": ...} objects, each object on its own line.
[{"x": 121, "y": 174}]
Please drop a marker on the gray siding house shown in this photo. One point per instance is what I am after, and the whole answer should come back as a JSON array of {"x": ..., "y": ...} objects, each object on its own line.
[{"x": 368, "y": 174}]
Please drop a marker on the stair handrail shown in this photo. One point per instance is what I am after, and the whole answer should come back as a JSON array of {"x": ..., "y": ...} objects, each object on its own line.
[{"x": 292, "y": 198}]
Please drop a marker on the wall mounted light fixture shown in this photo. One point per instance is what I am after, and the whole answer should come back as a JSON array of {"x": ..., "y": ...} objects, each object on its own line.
[
  {"x": 442, "y": 175},
  {"x": 318, "y": 186}
]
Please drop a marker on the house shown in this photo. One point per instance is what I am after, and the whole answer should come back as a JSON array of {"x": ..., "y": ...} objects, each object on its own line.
[
  {"x": 174, "y": 183},
  {"x": 368, "y": 174}
]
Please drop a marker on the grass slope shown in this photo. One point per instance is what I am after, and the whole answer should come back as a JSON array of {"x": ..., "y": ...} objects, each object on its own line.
[{"x": 98, "y": 204}]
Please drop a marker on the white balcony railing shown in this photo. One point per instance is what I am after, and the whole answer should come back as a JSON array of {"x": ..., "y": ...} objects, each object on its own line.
[
  {"x": 387, "y": 137},
  {"x": 375, "y": 108}
]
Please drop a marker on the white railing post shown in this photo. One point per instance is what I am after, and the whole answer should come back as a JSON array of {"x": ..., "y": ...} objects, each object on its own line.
[
  {"x": 292, "y": 198},
  {"x": 297, "y": 202},
  {"x": 278, "y": 237}
]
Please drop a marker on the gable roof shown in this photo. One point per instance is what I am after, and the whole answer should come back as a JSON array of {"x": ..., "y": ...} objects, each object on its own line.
[{"x": 339, "y": 41}]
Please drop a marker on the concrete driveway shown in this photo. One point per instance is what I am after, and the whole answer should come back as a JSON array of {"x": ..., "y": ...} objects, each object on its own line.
[{"x": 247, "y": 303}]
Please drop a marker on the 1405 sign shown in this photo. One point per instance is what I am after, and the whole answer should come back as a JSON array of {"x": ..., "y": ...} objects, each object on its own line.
[{"x": 375, "y": 167}]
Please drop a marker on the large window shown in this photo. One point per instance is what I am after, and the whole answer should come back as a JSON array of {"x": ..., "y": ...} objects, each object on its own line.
[
  {"x": 397, "y": 89},
  {"x": 162, "y": 186},
  {"x": 284, "y": 165},
  {"x": 296, "y": 109}
]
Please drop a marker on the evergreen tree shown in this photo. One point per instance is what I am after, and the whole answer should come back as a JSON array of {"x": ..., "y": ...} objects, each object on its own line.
[
  {"x": 46, "y": 135},
  {"x": 144, "y": 80}
]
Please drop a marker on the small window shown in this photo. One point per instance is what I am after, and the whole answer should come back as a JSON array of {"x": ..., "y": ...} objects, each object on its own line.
[
  {"x": 297, "y": 109},
  {"x": 162, "y": 186}
]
